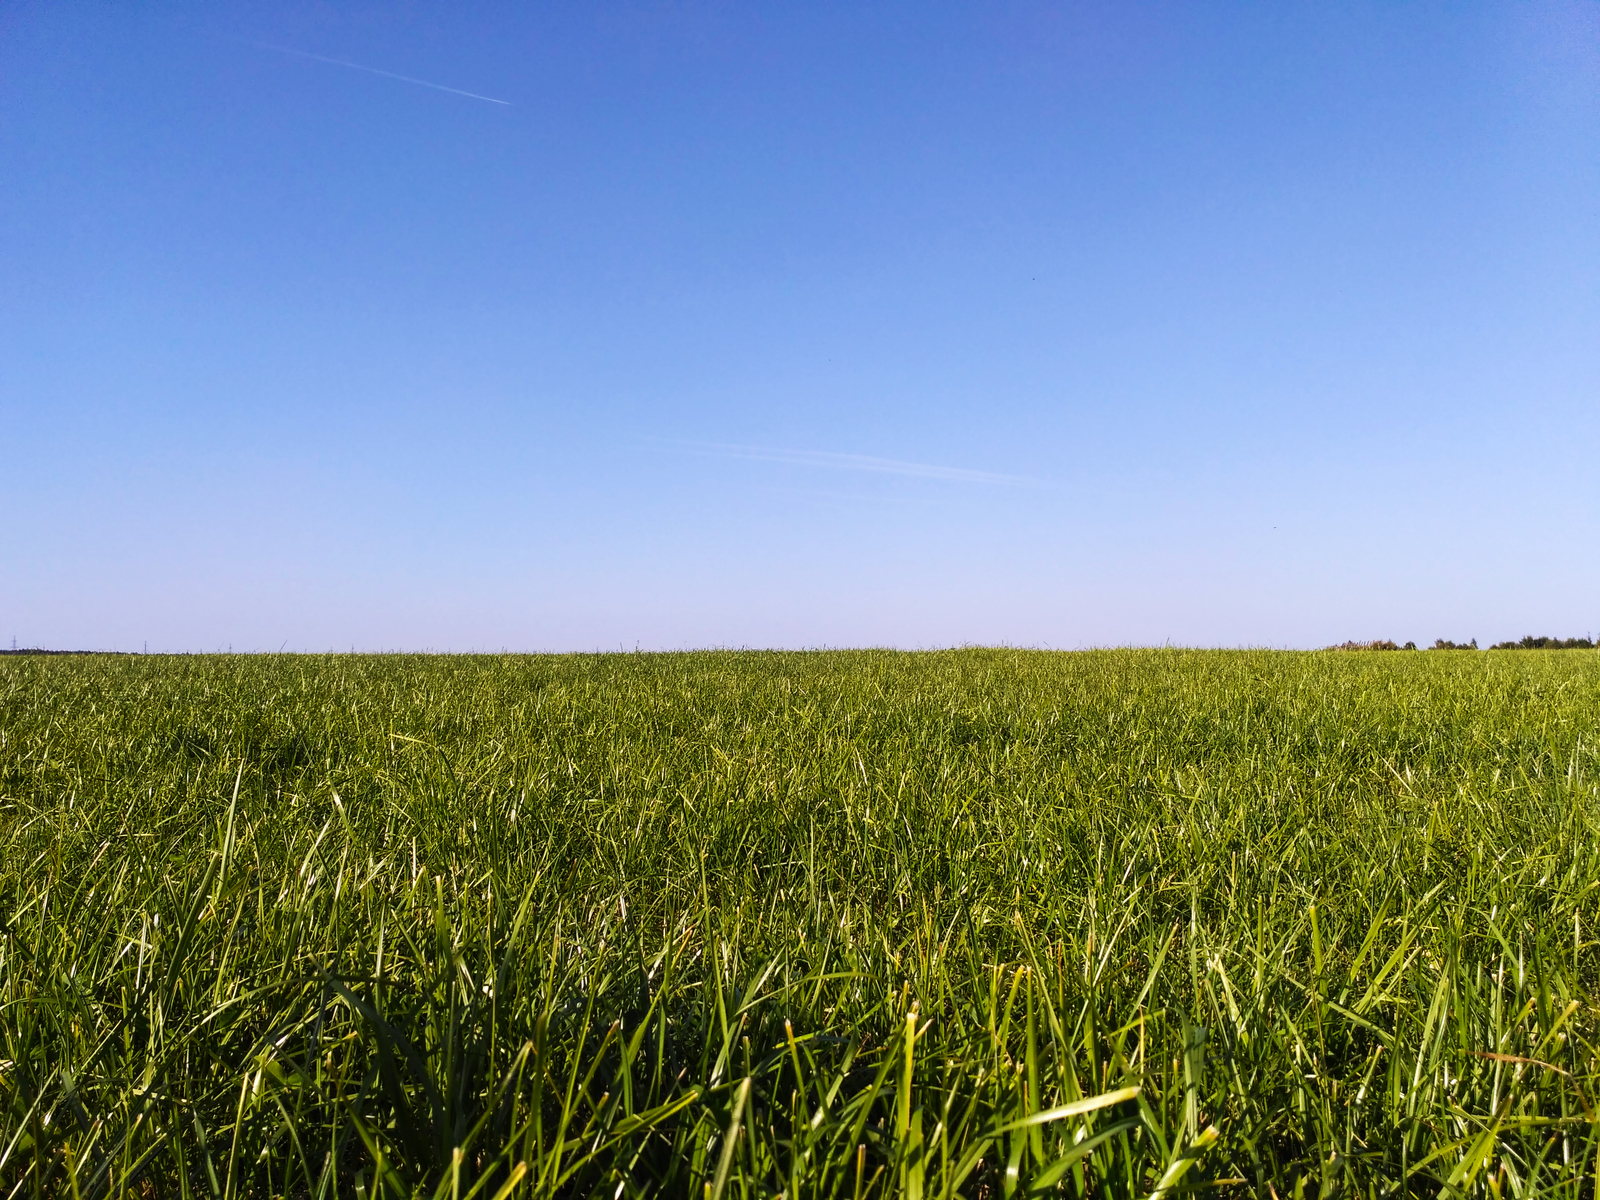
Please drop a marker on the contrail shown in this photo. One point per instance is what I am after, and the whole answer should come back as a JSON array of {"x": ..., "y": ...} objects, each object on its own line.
[
  {"x": 857, "y": 462},
  {"x": 339, "y": 62}
]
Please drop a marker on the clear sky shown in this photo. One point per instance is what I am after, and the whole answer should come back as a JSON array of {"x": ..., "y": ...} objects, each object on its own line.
[{"x": 797, "y": 324}]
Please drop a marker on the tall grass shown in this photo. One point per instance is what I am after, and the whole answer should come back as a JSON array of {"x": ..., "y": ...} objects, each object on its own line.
[{"x": 834, "y": 925}]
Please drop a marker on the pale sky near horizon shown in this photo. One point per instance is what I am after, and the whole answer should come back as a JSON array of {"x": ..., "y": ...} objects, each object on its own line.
[{"x": 564, "y": 326}]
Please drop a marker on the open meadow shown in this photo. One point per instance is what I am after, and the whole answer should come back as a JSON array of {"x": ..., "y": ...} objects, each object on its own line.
[{"x": 984, "y": 923}]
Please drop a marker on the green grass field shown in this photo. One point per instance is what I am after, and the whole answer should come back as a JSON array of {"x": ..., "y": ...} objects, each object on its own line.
[{"x": 835, "y": 925}]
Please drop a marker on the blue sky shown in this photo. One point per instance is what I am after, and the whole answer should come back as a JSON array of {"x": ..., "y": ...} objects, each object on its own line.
[{"x": 796, "y": 325}]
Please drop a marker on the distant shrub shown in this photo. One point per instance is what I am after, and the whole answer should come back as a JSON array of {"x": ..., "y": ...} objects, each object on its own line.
[
  {"x": 1384, "y": 644},
  {"x": 1546, "y": 643},
  {"x": 1441, "y": 644}
]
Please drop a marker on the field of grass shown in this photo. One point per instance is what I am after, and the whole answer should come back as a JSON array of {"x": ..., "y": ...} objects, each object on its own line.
[{"x": 832, "y": 925}]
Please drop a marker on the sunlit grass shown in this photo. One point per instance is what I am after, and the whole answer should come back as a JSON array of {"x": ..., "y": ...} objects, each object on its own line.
[{"x": 981, "y": 923}]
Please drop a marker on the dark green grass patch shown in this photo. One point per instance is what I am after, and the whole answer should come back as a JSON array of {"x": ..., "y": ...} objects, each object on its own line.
[{"x": 980, "y": 923}]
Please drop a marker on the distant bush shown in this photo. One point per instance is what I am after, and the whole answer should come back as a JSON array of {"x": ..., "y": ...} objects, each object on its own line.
[
  {"x": 1527, "y": 643},
  {"x": 1546, "y": 643}
]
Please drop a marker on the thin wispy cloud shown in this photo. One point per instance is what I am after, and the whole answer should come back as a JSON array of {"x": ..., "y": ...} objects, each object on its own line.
[
  {"x": 856, "y": 462},
  {"x": 340, "y": 62}
]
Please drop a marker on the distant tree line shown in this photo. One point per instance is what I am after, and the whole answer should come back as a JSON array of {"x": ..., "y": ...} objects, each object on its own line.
[
  {"x": 1546, "y": 643},
  {"x": 1527, "y": 643},
  {"x": 36, "y": 650}
]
